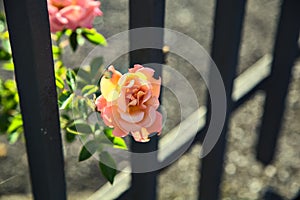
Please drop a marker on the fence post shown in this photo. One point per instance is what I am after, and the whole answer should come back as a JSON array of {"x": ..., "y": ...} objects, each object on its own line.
[
  {"x": 29, "y": 32},
  {"x": 284, "y": 55},
  {"x": 229, "y": 16},
  {"x": 146, "y": 13}
]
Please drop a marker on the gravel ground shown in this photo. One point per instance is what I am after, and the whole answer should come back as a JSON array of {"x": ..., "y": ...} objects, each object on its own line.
[{"x": 244, "y": 177}]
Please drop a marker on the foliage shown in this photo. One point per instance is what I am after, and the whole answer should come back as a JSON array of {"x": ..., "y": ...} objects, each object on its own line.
[{"x": 76, "y": 89}]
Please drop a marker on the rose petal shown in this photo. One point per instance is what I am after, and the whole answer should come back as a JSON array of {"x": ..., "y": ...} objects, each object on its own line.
[
  {"x": 153, "y": 102},
  {"x": 119, "y": 133},
  {"x": 146, "y": 97},
  {"x": 122, "y": 102},
  {"x": 132, "y": 117},
  {"x": 100, "y": 103},
  {"x": 116, "y": 75},
  {"x": 108, "y": 86},
  {"x": 157, "y": 125},
  {"x": 140, "y": 136},
  {"x": 155, "y": 86},
  {"x": 147, "y": 71},
  {"x": 107, "y": 116},
  {"x": 135, "y": 68},
  {"x": 149, "y": 119},
  {"x": 73, "y": 13},
  {"x": 122, "y": 124}
]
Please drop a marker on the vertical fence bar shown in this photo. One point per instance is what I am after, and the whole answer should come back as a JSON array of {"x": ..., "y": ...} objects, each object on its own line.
[
  {"x": 146, "y": 13},
  {"x": 229, "y": 16},
  {"x": 28, "y": 27},
  {"x": 285, "y": 52}
]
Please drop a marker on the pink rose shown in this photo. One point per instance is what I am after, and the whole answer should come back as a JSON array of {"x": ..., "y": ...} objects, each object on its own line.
[
  {"x": 129, "y": 102},
  {"x": 72, "y": 14}
]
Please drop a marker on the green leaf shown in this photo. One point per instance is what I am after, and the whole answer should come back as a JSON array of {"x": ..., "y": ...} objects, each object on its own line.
[
  {"x": 79, "y": 127},
  {"x": 15, "y": 123},
  {"x": 59, "y": 34},
  {"x": 67, "y": 102},
  {"x": 73, "y": 41},
  {"x": 59, "y": 82},
  {"x": 80, "y": 40},
  {"x": 83, "y": 108},
  {"x": 4, "y": 55},
  {"x": 107, "y": 166},
  {"x": 10, "y": 84},
  {"x": 55, "y": 49},
  {"x": 71, "y": 79},
  {"x": 6, "y": 45},
  {"x": 108, "y": 133},
  {"x": 68, "y": 32},
  {"x": 88, "y": 150},
  {"x": 89, "y": 89},
  {"x": 13, "y": 137},
  {"x": 9, "y": 66},
  {"x": 94, "y": 37},
  {"x": 70, "y": 137},
  {"x": 119, "y": 143},
  {"x": 63, "y": 97}
]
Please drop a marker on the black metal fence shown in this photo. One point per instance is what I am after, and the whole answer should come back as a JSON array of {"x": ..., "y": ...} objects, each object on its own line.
[{"x": 32, "y": 56}]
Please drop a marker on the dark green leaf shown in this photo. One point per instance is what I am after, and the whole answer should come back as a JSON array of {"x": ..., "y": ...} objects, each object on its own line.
[
  {"x": 107, "y": 166},
  {"x": 73, "y": 41},
  {"x": 70, "y": 137},
  {"x": 67, "y": 102},
  {"x": 83, "y": 108},
  {"x": 64, "y": 96},
  {"x": 4, "y": 55},
  {"x": 80, "y": 127},
  {"x": 88, "y": 150},
  {"x": 71, "y": 79}
]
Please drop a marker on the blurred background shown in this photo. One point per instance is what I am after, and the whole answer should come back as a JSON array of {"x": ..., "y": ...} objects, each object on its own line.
[{"x": 244, "y": 177}]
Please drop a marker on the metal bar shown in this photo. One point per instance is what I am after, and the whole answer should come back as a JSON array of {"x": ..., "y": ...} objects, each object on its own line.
[
  {"x": 285, "y": 52},
  {"x": 28, "y": 26},
  {"x": 229, "y": 16},
  {"x": 146, "y": 13}
]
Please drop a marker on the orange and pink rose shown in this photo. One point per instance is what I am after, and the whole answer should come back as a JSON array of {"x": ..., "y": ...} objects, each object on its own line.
[
  {"x": 71, "y": 14},
  {"x": 129, "y": 102}
]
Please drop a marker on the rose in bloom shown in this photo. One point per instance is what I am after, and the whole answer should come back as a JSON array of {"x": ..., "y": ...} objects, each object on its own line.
[
  {"x": 129, "y": 102},
  {"x": 72, "y": 14}
]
